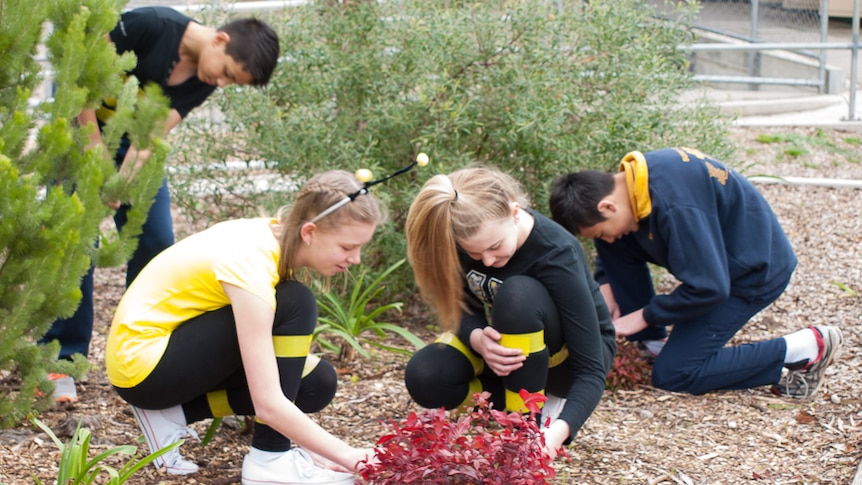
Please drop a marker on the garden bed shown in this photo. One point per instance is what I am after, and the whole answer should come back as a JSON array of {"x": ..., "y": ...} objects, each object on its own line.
[{"x": 639, "y": 436}]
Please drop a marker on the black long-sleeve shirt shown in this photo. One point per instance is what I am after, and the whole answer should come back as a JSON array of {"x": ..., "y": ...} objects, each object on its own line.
[{"x": 556, "y": 259}]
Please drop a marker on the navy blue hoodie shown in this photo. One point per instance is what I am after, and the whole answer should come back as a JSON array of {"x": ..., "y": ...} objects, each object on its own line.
[{"x": 711, "y": 229}]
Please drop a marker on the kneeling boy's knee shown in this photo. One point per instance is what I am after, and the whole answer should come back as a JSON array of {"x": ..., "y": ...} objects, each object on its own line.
[{"x": 672, "y": 379}]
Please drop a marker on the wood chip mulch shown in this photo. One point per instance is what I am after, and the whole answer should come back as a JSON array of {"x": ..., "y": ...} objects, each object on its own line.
[{"x": 639, "y": 436}]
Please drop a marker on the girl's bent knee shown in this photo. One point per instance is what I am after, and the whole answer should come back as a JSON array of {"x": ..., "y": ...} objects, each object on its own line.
[{"x": 436, "y": 376}]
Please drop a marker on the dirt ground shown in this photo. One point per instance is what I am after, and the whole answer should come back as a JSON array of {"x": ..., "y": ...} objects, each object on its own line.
[{"x": 640, "y": 436}]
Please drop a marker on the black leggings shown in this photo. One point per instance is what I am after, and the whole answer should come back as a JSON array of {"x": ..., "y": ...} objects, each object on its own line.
[
  {"x": 202, "y": 369},
  {"x": 446, "y": 373}
]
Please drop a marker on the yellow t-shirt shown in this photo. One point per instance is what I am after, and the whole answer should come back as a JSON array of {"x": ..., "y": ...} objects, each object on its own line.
[{"x": 184, "y": 281}]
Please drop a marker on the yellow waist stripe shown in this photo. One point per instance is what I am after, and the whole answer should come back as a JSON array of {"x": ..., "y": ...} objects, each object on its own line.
[
  {"x": 291, "y": 345},
  {"x": 219, "y": 404}
]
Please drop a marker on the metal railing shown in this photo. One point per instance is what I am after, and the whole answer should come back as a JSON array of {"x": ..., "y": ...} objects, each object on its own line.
[
  {"x": 756, "y": 47},
  {"x": 750, "y": 45}
]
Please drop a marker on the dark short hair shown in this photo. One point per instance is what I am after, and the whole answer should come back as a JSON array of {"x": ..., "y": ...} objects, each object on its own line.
[
  {"x": 575, "y": 198},
  {"x": 254, "y": 45}
]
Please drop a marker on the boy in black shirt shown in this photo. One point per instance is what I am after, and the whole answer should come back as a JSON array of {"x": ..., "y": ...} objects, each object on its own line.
[{"x": 188, "y": 61}]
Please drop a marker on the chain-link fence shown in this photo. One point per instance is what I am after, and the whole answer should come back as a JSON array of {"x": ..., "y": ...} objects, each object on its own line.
[
  {"x": 737, "y": 26},
  {"x": 759, "y": 21}
]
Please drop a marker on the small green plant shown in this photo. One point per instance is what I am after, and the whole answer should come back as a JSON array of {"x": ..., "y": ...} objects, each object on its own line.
[
  {"x": 798, "y": 144},
  {"x": 846, "y": 289},
  {"x": 352, "y": 315},
  {"x": 764, "y": 138},
  {"x": 76, "y": 468},
  {"x": 795, "y": 151}
]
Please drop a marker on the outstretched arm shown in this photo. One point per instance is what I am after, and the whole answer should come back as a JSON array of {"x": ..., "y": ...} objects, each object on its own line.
[{"x": 254, "y": 319}]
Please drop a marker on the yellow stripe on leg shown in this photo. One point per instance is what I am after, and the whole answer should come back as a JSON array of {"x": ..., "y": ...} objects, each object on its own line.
[
  {"x": 514, "y": 403},
  {"x": 311, "y": 362},
  {"x": 475, "y": 387},
  {"x": 219, "y": 405},
  {"x": 559, "y": 357},
  {"x": 291, "y": 345},
  {"x": 452, "y": 340},
  {"x": 528, "y": 342}
]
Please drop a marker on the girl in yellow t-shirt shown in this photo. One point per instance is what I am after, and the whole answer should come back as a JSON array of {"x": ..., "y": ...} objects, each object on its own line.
[{"x": 218, "y": 325}]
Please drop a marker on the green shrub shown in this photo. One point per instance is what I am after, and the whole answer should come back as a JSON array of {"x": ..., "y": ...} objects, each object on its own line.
[
  {"x": 534, "y": 87},
  {"x": 53, "y": 191}
]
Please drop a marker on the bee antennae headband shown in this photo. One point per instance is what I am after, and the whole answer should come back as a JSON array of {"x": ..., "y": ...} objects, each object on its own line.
[{"x": 364, "y": 175}]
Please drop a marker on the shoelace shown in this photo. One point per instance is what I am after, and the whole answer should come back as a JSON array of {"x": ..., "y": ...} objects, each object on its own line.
[{"x": 797, "y": 385}]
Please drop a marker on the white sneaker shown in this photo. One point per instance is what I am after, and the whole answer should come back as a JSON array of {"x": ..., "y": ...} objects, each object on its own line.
[
  {"x": 803, "y": 380},
  {"x": 290, "y": 467},
  {"x": 551, "y": 410},
  {"x": 161, "y": 428}
]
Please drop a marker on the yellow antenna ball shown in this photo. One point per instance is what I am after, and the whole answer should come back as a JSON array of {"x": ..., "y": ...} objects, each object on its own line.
[
  {"x": 422, "y": 159},
  {"x": 364, "y": 175}
]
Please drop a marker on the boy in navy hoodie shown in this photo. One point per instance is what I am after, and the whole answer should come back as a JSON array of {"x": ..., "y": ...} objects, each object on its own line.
[{"x": 711, "y": 229}]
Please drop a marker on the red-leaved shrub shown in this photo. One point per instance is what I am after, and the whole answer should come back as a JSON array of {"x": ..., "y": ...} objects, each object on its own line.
[
  {"x": 630, "y": 368},
  {"x": 479, "y": 446}
]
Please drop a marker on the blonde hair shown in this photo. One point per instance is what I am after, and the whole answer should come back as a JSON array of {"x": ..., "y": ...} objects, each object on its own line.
[
  {"x": 318, "y": 194},
  {"x": 450, "y": 209}
]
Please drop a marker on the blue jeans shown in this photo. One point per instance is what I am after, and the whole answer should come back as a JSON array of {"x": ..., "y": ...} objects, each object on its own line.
[
  {"x": 74, "y": 333},
  {"x": 695, "y": 359}
]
